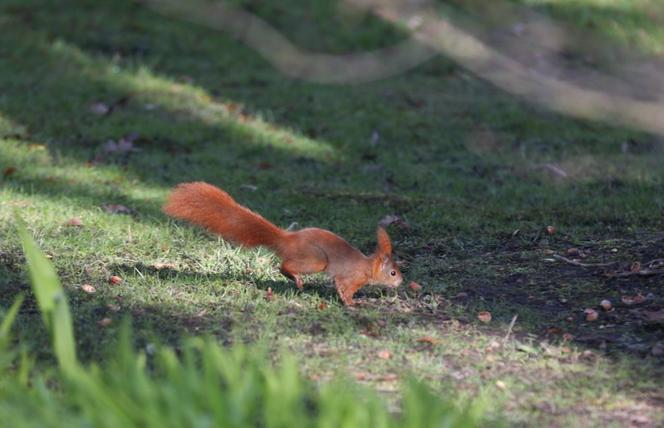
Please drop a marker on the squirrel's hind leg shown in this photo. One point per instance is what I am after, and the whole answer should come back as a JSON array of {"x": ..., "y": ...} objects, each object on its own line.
[{"x": 296, "y": 265}]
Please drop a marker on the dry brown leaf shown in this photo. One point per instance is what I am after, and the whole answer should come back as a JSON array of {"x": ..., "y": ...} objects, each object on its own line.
[
  {"x": 361, "y": 375},
  {"x": 114, "y": 280},
  {"x": 551, "y": 230},
  {"x": 264, "y": 165},
  {"x": 484, "y": 316},
  {"x": 88, "y": 288},
  {"x": 164, "y": 265},
  {"x": 414, "y": 286},
  {"x": 8, "y": 171},
  {"x": 322, "y": 306},
  {"x": 591, "y": 314},
  {"x": 384, "y": 354},
  {"x": 105, "y": 322},
  {"x": 501, "y": 385},
  {"x": 633, "y": 300},
  {"x": 428, "y": 339},
  {"x": 74, "y": 222},
  {"x": 553, "y": 331},
  {"x": 394, "y": 219},
  {"x": 606, "y": 304}
]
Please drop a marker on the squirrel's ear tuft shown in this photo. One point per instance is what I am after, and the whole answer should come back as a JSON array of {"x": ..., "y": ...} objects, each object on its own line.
[{"x": 384, "y": 244}]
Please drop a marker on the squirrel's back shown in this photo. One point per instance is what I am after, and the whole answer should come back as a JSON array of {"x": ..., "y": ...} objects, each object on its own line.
[{"x": 210, "y": 207}]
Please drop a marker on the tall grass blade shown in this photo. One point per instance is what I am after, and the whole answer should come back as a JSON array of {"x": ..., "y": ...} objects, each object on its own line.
[{"x": 51, "y": 300}]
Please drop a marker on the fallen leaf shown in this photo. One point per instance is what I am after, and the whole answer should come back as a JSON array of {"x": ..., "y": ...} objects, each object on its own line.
[
  {"x": 572, "y": 251},
  {"x": 164, "y": 265},
  {"x": 105, "y": 322},
  {"x": 635, "y": 267},
  {"x": 553, "y": 331},
  {"x": 322, "y": 306},
  {"x": 567, "y": 337},
  {"x": 113, "y": 307},
  {"x": 88, "y": 288},
  {"x": 484, "y": 316},
  {"x": 264, "y": 165},
  {"x": 114, "y": 280},
  {"x": 414, "y": 286},
  {"x": 428, "y": 339},
  {"x": 394, "y": 219},
  {"x": 591, "y": 314},
  {"x": 116, "y": 209},
  {"x": 554, "y": 170},
  {"x": 551, "y": 230},
  {"x": 249, "y": 187},
  {"x": 588, "y": 354},
  {"x": 269, "y": 296},
  {"x": 384, "y": 354},
  {"x": 633, "y": 300},
  {"x": 501, "y": 385},
  {"x": 74, "y": 222},
  {"x": 361, "y": 375},
  {"x": 8, "y": 171},
  {"x": 606, "y": 304}
]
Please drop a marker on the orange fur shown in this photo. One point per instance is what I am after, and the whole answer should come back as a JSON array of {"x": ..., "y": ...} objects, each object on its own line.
[{"x": 305, "y": 251}]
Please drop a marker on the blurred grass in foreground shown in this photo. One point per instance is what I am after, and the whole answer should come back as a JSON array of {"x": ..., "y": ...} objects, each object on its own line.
[{"x": 197, "y": 385}]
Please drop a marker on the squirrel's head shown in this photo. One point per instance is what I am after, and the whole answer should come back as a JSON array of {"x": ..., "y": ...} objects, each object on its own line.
[{"x": 385, "y": 270}]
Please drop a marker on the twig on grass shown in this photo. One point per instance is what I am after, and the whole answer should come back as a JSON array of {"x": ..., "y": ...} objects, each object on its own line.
[
  {"x": 509, "y": 329},
  {"x": 642, "y": 272},
  {"x": 580, "y": 264},
  {"x": 655, "y": 262}
]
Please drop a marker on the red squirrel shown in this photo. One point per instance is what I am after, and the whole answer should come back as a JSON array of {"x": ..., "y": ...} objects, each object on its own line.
[{"x": 305, "y": 251}]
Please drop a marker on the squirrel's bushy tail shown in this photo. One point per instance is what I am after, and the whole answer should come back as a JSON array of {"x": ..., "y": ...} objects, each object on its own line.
[{"x": 210, "y": 207}]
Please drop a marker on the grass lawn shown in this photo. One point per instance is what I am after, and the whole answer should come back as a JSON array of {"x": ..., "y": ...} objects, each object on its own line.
[{"x": 470, "y": 169}]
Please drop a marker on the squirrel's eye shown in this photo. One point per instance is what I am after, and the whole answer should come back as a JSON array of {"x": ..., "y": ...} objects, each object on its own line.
[{"x": 393, "y": 273}]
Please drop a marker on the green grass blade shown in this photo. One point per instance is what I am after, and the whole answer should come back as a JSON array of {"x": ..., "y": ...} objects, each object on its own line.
[
  {"x": 51, "y": 300},
  {"x": 10, "y": 316}
]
